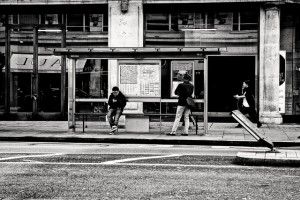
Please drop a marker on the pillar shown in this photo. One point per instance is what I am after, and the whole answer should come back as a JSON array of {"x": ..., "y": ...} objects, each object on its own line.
[
  {"x": 125, "y": 30},
  {"x": 269, "y": 45}
]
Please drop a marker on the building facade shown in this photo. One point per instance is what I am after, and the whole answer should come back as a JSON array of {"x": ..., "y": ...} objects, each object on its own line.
[{"x": 262, "y": 41}]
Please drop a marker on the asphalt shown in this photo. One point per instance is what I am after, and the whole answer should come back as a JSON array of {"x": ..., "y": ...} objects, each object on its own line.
[{"x": 282, "y": 136}]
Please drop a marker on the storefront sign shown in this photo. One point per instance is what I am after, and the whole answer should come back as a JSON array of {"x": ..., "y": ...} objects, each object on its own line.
[
  {"x": 140, "y": 79},
  {"x": 46, "y": 63}
]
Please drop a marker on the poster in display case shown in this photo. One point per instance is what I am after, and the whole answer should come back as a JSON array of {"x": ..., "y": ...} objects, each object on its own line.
[
  {"x": 178, "y": 70},
  {"x": 140, "y": 79}
]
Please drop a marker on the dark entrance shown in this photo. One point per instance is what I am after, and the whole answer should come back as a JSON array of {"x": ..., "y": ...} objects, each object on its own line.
[{"x": 225, "y": 77}]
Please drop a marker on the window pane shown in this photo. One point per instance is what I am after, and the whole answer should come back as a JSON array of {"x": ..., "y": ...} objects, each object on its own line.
[
  {"x": 186, "y": 21},
  {"x": 210, "y": 20},
  {"x": 157, "y": 22},
  {"x": 75, "y": 22},
  {"x": 249, "y": 27},
  {"x": 2, "y": 90},
  {"x": 95, "y": 22},
  {"x": 91, "y": 82},
  {"x": 49, "y": 92},
  {"x": 235, "y": 17},
  {"x": 28, "y": 19},
  {"x": 50, "y": 19},
  {"x": 21, "y": 100},
  {"x": 248, "y": 18}
]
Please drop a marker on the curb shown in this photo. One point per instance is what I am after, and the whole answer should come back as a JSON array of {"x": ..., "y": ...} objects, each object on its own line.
[
  {"x": 147, "y": 141},
  {"x": 268, "y": 158}
]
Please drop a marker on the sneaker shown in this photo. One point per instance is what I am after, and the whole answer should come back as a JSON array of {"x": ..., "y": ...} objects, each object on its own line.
[
  {"x": 111, "y": 132},
  {"x": 171, "y": 134},
  {"x": 184, "y": 134},
  {"x": 114, "y": 128}
]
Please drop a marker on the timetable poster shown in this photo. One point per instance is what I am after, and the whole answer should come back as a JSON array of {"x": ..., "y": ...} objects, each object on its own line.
[
  {"x": 178, "y": 70},
  {"x": 140, "y": 79}
]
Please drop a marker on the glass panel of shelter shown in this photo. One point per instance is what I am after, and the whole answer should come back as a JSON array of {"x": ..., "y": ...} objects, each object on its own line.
[{"x": 92, "y": 92}]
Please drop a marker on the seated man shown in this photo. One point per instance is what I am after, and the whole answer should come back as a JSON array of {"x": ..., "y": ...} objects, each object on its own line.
[{"x": 116, "y": 102}]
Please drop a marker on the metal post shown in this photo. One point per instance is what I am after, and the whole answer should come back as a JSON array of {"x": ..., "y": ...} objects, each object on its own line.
[
  {"x": 35, "y": 82},
  {"x": 205, "y": 94},
  {"x": 7, "y": 68},
  {"x": 71, "y": 94},
  {"x": 63, "y": 70}
]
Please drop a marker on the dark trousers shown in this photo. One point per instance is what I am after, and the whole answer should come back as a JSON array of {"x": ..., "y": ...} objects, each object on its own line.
[{"x": 251, "y": 112}]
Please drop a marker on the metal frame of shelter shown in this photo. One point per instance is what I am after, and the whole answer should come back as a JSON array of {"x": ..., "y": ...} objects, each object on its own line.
[{"x": 137, "y": 53}]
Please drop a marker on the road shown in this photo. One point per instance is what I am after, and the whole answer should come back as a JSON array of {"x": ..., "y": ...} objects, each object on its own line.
[{"x": 128, "y": 171}]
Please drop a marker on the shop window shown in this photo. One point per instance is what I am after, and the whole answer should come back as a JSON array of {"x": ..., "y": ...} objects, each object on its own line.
[
  {"x": 2, "y": 81},
  {"x": 245, "y": 21},
  {"x": 91, "y": 82},
  {"x": 21, "y": 98}
]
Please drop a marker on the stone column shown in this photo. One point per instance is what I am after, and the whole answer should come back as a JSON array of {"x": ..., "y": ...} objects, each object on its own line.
[
  {"x": 269, "y": 45},
  {"x": 125, "y": 30}
]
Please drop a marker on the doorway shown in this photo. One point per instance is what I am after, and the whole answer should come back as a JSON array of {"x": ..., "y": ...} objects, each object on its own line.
[{"x": 225, "y": 77}]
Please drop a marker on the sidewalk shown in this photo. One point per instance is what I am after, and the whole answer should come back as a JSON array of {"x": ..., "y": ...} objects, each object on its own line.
[
  {"x": 218, "y": 134},
  {"x": 285, "y": 135}
]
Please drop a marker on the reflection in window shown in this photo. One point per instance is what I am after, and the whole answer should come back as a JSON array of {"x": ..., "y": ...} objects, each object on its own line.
[
  {"x": 178, "y": 21},
  {"x": 245, "y": 21},
  {"x": 91, "y": 82}
]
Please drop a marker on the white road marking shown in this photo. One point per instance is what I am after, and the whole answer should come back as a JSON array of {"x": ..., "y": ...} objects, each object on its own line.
[
  {"x": 31, "y": 156},
  {"x": 147, "y": 165},
  {"x": 138, "y": 158}
]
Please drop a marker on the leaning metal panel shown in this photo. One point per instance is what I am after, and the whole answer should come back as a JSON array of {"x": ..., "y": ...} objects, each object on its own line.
[{"x": 251, "y": 128}]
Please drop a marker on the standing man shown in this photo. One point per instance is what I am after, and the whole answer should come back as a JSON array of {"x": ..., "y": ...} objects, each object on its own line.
[
  {"x": 248, "y": 103},
  {"x": 116, "y": 102},
  {"x": 183, "y": 90}
]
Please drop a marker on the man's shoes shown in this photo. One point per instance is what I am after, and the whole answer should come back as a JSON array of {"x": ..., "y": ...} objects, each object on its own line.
[
  {"x": 184, "y": 134},
  {"x": 238, "y": 126},
  {"x": 113, "y": 130},
  {"x": 259, "y": 124},
  {"x": 171, "y": 134}
]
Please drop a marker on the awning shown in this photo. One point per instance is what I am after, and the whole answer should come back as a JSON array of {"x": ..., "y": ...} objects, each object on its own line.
[{"x": 47, "y": 63}]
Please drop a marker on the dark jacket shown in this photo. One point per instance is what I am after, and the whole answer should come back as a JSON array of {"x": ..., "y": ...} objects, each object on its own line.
[
  {"x": 184, "y": 90},
  {"x": 249, "y": 96},
  {"x": 120, "y": 103}
]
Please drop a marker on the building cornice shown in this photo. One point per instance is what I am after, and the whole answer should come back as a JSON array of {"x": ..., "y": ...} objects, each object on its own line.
[{"x": 80, "y": 2}]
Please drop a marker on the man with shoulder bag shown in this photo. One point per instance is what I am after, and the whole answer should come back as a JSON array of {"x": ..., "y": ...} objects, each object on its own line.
[{"x": 184, "y": 91}]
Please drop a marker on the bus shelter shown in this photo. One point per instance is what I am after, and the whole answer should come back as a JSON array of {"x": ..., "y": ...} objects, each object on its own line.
[{"x": 148, "y": 88}]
